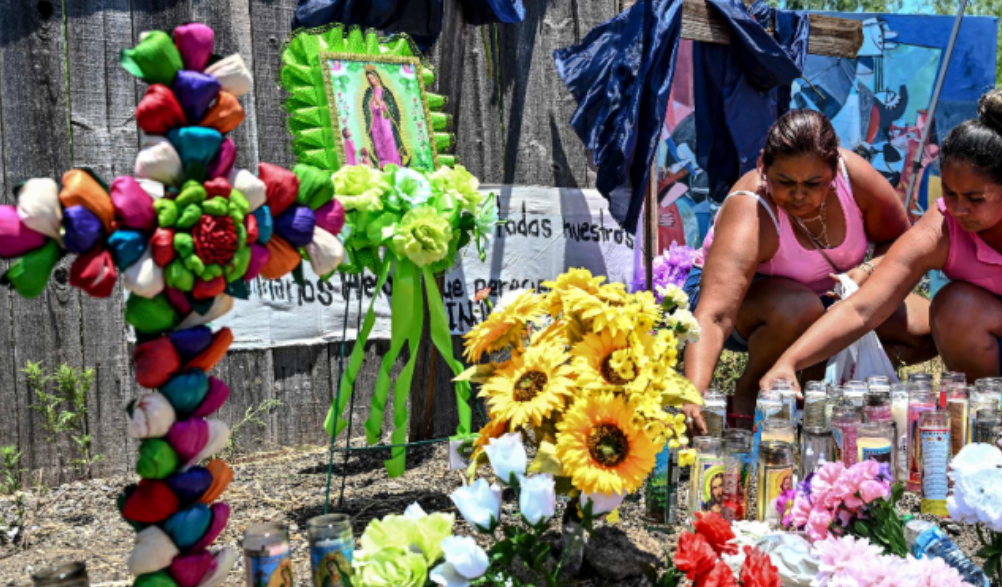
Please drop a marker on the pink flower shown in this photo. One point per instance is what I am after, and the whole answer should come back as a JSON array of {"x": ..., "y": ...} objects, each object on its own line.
[
  {"x": 801, "y": 512},
  {"x": 841, "y": 558},
  {"x": 869, "y": 468},
  {"x": 824, "y": 480},
  {"x": 872, "y": 490},
  {"x": 817, "y": 524}
]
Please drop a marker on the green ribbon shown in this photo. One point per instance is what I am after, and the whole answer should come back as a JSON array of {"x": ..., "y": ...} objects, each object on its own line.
[
  {"x": 408, "y": 320},
  {"x": 441, "y": 336},
  {"x": 357, "y": 355}
]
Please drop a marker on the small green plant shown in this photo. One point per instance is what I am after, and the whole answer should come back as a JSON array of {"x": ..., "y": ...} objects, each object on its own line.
[
  {"x": 252, "y": 415},
  {"x": 10, "y": 477},
  {"x": 61, "y": 399}
]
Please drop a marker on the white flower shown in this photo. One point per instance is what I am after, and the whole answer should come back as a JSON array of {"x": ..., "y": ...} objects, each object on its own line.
[
  {"x": 974, "y": 457},
  {"x": 977, "y": 497},
  {"x": 480, "y": 504},
  {"x": 415, "y": 511},
  {"x": 672, "y": 297},
  {"x": 684, "y": 324},
  {"x": 602, "y": 503},
  {"x": 538, "y": 499},
  {"x": 507, "y": 456},
  {"x": 464, "y": 562}
]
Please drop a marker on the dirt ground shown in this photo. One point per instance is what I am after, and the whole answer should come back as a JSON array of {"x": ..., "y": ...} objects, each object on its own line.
[{"x": 79, "y": 521}]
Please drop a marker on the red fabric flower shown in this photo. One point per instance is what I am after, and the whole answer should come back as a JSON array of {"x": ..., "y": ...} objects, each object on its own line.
[
  {"x": 717, "y": 532},
  {"x": 758, "y": 570},
  {"x": 694, "y": 556},
  {"x": 720, "y": 576},
  {"x": 215, "y": 239}
]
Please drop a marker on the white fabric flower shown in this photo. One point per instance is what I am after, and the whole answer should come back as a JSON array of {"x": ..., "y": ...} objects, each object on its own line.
[
  {"x": 159, "y": 161},
  {"x": 685, "y": 325},
  {"x": 464, "y": 562},
  {"x": 252, "y": 188},
  {"x": 39, "y": 208},
  {"x": 538, "y": 498},
  {"x": 415, "y": 511},
  {"x": 507, "y": 456},
  {"x": 145, "y": 278},
  {"x": 975, "y": 457},
  {"x": 673, "y": 296},
  {"x": 479, "y": 503},
  {"x": 602, "y": 503},
  {"x": 977, "y": 497},
  {"x": 326, "y": 251},
  {"x": 232, "y": 73}
]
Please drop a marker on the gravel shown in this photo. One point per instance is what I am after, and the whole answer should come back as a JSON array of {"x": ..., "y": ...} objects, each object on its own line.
[{"x": 79, "y": 521}]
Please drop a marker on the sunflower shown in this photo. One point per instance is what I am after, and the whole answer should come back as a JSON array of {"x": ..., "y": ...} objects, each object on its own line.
[
  {"x": 530, "y": 387},
  {"x": 608, "y": 309},
  {"x": 504, "y": 328},
  {"x": 647, "y": 312},
  {"x": 604, "y": 361},
  {"x": 601, "y": 449},
  {"x": 581, "y": 279}
]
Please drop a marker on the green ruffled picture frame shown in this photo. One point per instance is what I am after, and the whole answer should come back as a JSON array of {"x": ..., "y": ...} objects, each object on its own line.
[{"x": 315, "y": 121}]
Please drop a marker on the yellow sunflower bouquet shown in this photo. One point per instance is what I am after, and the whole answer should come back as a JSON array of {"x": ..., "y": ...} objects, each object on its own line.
[{"x": 589, "y": 373}]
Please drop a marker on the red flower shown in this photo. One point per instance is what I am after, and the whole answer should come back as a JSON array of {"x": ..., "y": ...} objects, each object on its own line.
[
  {"x": 758, "y": 570},
  {"x": 215, "y": 239},
  {"x": 694, "y": 556},
  {"x": 720, "y": 576},
  {"x": 717, "y": 532}
]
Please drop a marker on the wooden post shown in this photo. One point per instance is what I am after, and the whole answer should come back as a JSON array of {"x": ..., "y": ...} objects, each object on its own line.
[{"x": 830, "y": 35}]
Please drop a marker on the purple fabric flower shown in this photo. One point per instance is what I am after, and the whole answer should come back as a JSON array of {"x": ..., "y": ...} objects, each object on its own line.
[
  {"x": 296, "y": 225},
  {"x": 81, "y": 229},
  {"x": 670, "y": 268},
  {"x": 195, "y": 92}
]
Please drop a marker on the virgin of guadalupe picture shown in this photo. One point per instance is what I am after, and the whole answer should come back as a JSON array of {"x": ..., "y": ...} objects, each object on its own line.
[{"x": 379, "y": 108}]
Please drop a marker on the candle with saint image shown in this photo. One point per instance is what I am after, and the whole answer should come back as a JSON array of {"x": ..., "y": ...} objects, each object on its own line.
[
  {"x": 921, "y": 399},
  {"x": 934, "y": 435}
]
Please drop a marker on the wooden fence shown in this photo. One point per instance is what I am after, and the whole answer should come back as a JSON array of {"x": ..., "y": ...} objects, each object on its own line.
[{"x": 64, "y": 102}]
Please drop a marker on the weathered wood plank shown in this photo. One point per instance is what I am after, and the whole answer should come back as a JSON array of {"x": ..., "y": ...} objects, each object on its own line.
[
  {"x": 37, "y": 144},
  {"x": 250, "y": 377},
  {"x": 837, "y": 37},
  {"x": 9, "y": 421},
  {"x": 230, "y": 19},
  {"x": 302, "y": 384},
  {"x": 270, "y": 25},
  {"x": 104, "y": 139}
]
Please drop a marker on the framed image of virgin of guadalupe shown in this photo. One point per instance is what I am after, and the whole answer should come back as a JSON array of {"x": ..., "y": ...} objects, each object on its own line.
[
  {"x": 379, "y": 111},
  {"x": 355, "y": 98}
]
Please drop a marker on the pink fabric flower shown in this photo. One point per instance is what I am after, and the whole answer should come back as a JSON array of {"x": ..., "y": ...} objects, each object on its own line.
[
  {"x": 817, "y": 524},
  {"x": 801, "y": 511},
  {"x": 872, "y": 490},
  {"x": 824, "y": 480}
]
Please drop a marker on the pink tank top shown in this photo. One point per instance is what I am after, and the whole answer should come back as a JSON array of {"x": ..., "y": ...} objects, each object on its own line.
[
  {"x": 806, "y": 265},
  {"x": 971, "y": 259}
]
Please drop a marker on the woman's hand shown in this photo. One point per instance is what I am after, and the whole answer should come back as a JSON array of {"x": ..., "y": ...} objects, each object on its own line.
[
  {"x": 694, "y": 419},
  {"x": 781, "y": 371}
]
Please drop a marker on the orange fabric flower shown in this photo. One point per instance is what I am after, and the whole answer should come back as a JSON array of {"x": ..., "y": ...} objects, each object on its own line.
[
  {"x": 283, "y": 258},
  {"x": 80, "y": 189},
  {"x": 208, "y": 358},
  {"x": 222, "y": 474},
  {"x": 225, "y": 115}
]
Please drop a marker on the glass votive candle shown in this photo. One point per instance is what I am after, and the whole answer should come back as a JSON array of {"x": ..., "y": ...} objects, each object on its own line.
[
  {"x": 267, "y": 555},
  {"x": 714, "y": 412},
  {"x": 875, "y": 441},
  {"x": 987, "y": 426},
  {"x": 815, "y": 402},
  {"x": 845, "y": 420},
  {"x": 855, "y": 393},
  {"x": 775, "y": 476},
  {"x": 65, "y": 575},
  {"x": 737, "y": 473},
  {"x": 707, "y": 492},
  {"x": 878, "y": 406},
  {"x": 778, "y": 430},
  {"x": 332, "y": 547},
  {"x": 816, "y": 448}
]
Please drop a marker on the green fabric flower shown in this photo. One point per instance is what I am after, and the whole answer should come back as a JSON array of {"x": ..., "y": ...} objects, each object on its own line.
[
  {"x": 393, "y": 530},
  {"x": 457, "y": 186},
  {"x": 487, "y": 220},
  {"x": 410, "y": 187},
  {"x": 393, "y": 566},
  {"x": 429, "y": 533},
  {"x": 422, "y": 236},
  {"x": 360, "y": 188}
]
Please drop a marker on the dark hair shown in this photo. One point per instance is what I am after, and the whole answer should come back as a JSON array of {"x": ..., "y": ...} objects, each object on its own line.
[
  {"x": 798, "y": 132},
  {"x": 978, "y": 141}
]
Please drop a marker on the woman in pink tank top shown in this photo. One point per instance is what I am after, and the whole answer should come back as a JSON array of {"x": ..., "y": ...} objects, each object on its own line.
[
  {"x": 962, "y": 235},
  {"x": 770, "y": 254}
]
